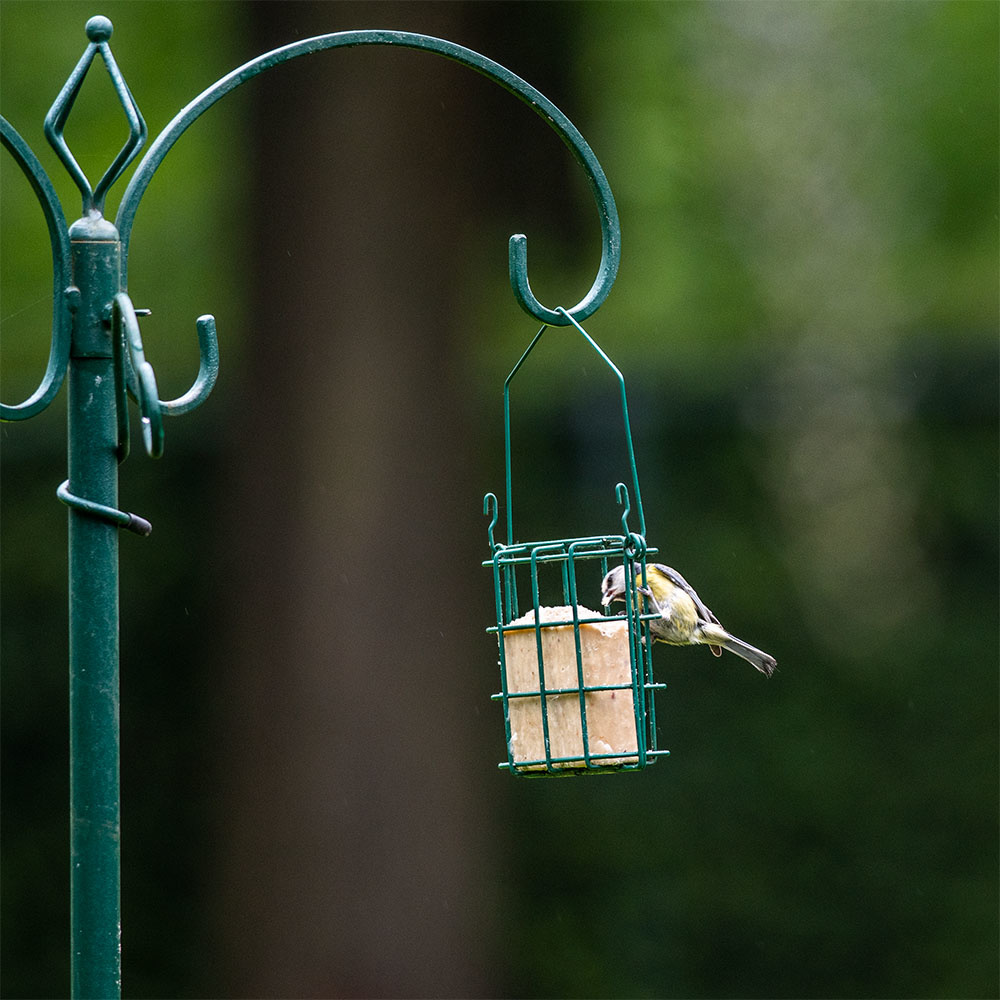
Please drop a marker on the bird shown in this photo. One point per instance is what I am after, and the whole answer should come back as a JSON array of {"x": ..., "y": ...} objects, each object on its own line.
[{"x": 684, "y": 620}]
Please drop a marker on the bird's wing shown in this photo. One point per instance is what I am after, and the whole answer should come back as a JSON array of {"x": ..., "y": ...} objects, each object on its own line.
[{"x": 679, "y": 581}]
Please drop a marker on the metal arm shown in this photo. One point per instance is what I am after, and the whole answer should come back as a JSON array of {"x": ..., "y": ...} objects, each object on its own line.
[
  {"x": 65, "y": 296},
  {"x": 541, "y": 105}
]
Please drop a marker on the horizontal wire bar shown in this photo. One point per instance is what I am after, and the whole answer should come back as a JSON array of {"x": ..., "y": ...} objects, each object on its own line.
[
  {"x": 650, "y": 616},
  {"x": 610, "y": 757},
  {"x": 507, "y": 555},
  {"x": 499, "y": 696}
]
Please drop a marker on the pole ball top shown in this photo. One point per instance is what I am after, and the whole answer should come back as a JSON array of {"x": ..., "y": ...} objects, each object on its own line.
[{"x": 99, "y": 28}]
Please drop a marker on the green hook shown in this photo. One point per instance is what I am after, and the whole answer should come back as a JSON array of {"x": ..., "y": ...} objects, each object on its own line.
[
  {"x": 491, "y": 506},
  {"x": 128, "y": 340},
  {"x": 541, "y": 105},
  {"x": 635, "y": 544}
]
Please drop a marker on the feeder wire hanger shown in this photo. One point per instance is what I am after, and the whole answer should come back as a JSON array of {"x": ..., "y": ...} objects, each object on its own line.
[{"x": 96, "y": 348}]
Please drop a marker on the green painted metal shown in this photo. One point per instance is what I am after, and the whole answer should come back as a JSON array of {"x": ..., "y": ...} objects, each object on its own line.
[
  {"x": 571, "y": 557},
  {"x": 95, "y": 913},
  {"x": 96, "y": 347},
  {"x": 65, "y": 297},
  {"x": 570, "y": 320},
  {"x": 98, "y": 31},
  {"x": 568, "y": 554},
  {"x": 541, "y": 105}
]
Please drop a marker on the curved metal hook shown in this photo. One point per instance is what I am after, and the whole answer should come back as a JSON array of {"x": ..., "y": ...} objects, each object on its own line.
[
  {"x": 621, "y": 495},
  {"x": 591, "y": 302},
  {"x": 635, "y": 544},
  {"x": 136, "y": 374},
  {"x": 491, "y": 507},
  {"x": 132, "y": 522},
  {"x": 541, "y": 105},
  {"x": 128, "y": 341},
  {"x": 66, "y": 297},
  {"x": 208, "y": 371}
]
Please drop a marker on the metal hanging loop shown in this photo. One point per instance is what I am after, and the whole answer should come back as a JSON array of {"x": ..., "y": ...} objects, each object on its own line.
[{"x": 619, "y": 378}]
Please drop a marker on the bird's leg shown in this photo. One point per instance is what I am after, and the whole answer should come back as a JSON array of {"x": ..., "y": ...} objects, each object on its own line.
[{"x": 648, "y": 594}]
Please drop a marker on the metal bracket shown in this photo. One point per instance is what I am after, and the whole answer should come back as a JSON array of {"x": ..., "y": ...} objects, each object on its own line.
[{"x": 131, "y": 522}]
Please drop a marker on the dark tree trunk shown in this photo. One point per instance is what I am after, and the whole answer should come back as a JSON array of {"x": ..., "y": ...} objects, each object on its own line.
[{"x": 358, "y": 833}]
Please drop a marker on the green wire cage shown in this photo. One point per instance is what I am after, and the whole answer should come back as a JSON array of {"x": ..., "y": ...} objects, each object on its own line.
[{"x": 576, "y": 685}]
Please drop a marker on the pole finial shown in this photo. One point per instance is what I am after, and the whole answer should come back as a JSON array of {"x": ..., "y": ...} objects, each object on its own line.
[{"x": 99, "y": 28}]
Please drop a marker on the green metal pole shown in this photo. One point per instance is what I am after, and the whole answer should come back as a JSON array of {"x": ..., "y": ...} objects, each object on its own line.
[{"x": 95, "y": 918}]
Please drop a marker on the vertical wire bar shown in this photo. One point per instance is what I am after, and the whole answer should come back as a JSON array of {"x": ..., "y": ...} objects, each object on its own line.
[
  {"x": 542, "y": 698},
  {"x": 633, "y": 608},
  {"x": 647, "y": 655},
  {"x": 506, "y": 430},
  {"x": 95, "y": 856},
  {"x": 624, "y": 398},
  {"x": 579, "y": 652},
  {"x": 501, "y": 633},
  {"x": 510, "y": 577}
]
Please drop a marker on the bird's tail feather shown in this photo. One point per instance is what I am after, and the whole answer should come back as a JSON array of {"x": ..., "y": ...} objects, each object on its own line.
[
  {"x": 716, "y": 635},
  {"x": 758, "y": 658}
]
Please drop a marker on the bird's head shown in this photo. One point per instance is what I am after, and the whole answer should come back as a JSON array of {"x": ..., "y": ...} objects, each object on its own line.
[{"x": 613, "y": 586}]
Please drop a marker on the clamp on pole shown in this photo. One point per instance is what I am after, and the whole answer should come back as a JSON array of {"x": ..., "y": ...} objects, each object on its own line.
[{"x": 131, "y": 522}]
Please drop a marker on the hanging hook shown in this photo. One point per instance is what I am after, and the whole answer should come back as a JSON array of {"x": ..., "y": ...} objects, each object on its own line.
[
  {"x": 634, "y": 544},
  {"x": 621, "y": 495},
  {"x": 491, "y": 508},
  {"x": 142, "y": 379},
  {"x": 208, "y": 371},
  {"x": 541, "y": 105},
  {"x": 136, "y": 375}
]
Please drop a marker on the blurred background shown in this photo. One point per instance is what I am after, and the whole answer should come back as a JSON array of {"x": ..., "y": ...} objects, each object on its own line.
[{"x": 806, "y": 317}]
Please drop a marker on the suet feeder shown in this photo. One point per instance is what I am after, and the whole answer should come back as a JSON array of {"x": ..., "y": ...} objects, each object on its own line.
[{"x": 576, "y": 685}]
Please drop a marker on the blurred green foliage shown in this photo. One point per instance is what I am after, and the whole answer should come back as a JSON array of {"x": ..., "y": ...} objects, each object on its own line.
[{"x": 806, "y": 317}]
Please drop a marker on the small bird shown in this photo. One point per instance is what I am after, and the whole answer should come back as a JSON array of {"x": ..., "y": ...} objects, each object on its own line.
[{"x": 684, "y": 620}]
